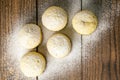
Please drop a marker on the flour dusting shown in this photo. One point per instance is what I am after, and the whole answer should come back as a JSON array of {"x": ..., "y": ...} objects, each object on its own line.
[
  {"x": 71, "y": 63},
  {"x": 65, "y": 66},
  {"x": 14, "y": 48}
]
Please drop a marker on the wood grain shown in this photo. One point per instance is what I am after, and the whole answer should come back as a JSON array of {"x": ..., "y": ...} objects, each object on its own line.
[
  {"x": 73, "y": 73},
  {"x": 102, "y": 62},
  {"x": 13, "y": 14},
  {"x": 100, "y": 51}
]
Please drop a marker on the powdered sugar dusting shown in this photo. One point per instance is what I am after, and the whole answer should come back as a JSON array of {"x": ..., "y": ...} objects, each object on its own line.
[
  {"x": 14, "y": 47},
  {"x": 56, "y": 67},
  {"x": 69, "y": 63},
  {"x": 59, "y": 45},
  {"x": 62, "y": 67}
]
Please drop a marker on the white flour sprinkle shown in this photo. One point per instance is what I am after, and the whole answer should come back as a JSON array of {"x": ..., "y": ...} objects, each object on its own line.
[
  {"x": 62, "y": 67},
  {"x": 14, "y": 48},
  {"x": 56, "y": 67}
]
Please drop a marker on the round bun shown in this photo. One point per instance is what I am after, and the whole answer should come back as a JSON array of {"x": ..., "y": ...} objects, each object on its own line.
[
  {"x": 30, "y": 36},
  {"x": 59, "y": 45},
  {"x": 85, "y": 22},
  {"x": 54, "y": 18},
  {"x": 32, "y": 64}
]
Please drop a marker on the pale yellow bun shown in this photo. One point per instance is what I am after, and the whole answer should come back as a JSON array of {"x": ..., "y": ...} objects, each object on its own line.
[
  {"x": 30, "y": 36},
  {"x": 54, "y": 18},
  {"x": 59, "y": 45},
  {"x": 32, "y": 64},
  {"x": 85, "y": 22}
]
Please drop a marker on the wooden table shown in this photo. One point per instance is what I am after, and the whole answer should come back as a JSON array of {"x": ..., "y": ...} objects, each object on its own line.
[{"x": 103, "y": 61}]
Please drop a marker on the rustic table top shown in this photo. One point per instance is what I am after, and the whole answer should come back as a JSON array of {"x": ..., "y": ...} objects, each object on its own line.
[{"x": 103, "y": 46}]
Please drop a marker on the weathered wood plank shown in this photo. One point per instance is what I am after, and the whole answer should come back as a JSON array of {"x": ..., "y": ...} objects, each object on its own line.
[
  {"x": 13, "y": 14},
  {"x": 99, "y": 53},
  {"x": 71, "y": 68},
  {"x": 101, "y": 62}
]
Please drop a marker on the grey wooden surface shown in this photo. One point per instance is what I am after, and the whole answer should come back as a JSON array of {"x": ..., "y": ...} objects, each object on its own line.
[{"x": 103, "y": 46}]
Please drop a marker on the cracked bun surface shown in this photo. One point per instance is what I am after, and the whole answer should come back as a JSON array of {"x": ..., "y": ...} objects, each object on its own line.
[
  {"x": 84, "y": 22},
  {"x": 59, "y": 45},
  {"x": 32, "y": 64},
  {"x": 54, "y": 18},
  {"x": 30, "y": 36}
]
